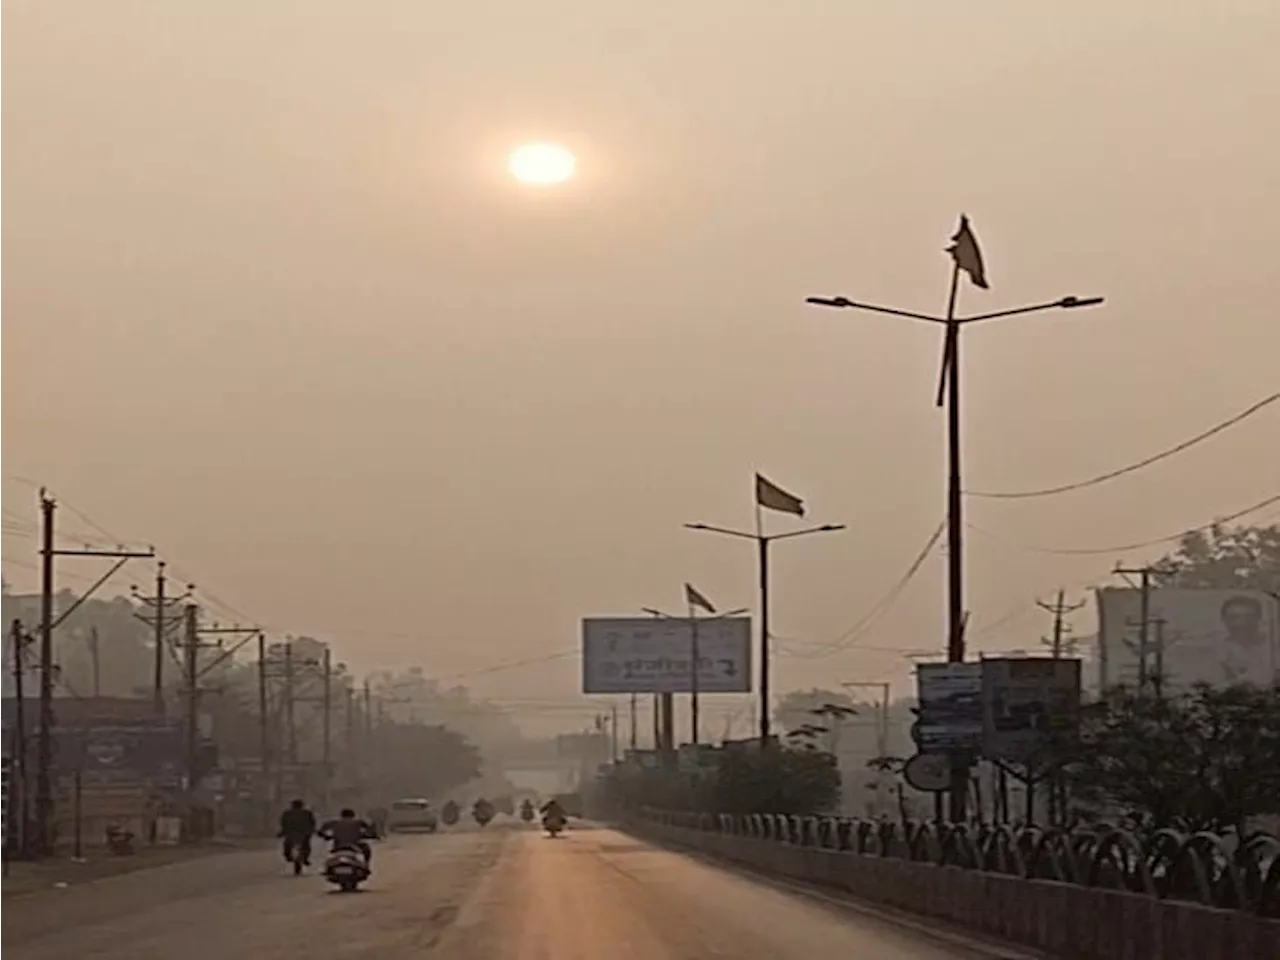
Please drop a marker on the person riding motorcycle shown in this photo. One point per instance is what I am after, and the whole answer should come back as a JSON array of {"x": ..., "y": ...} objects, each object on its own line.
[
  {"x": 349, "y": 832},
  {"x": 297, "y": 824},
  {"x": 482, "y": 811},
  {"x": 553, "y": 812},
  {"x": 526, "y": 810}
]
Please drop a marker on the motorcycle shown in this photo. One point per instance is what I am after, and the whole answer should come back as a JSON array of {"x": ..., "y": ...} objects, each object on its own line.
[
  {"x": 526, "y": 812},
  {"x": 482, "y": 812},
  {"x": 298, "y": 857},
  {"x": 346, "y": 869},
  {"x": 553, "y": 823},
  {"x": 449, "y": 814}
]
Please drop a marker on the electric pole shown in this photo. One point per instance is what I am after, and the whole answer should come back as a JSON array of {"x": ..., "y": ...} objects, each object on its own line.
[
  {"x": 1145, "y": 621},
  {"x": 95, "y": 656},
  {"x": 264, "y": 736},
  {"x": 44, "y": 743},
  {"x": 1060, "y": 608},
  {"x": 326, "y": 726},
  {"x": 162, "y": 625},
  {"x": 20, "y": 641}
]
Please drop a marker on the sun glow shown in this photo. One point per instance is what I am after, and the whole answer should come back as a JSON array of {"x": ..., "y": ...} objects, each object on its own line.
[{"x": 542, "y": 164}]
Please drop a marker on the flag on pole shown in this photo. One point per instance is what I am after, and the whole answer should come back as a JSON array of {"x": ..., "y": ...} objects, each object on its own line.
[
  {"x": 696, "y": 599},
  {"x": 773, "y": 497},
  {"x": 964, "y": 250}
]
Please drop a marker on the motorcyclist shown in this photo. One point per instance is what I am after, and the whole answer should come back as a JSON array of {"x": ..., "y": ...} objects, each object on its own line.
[
  {"x": 482, "y": 810},
  {"x": 552, "y": 808},
  {"x": 349, "y": 832},
  {"x": 378, "y": 817},
  {"x": 526, "y": 810},
  {"x": 297, "y": 824}
]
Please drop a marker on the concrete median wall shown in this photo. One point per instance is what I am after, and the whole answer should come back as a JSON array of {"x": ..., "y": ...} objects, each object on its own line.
[{"x": 1065, "y": 920}]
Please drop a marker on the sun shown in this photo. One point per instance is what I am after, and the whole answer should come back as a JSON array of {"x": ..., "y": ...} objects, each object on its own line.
[{"x": 542, "y": 164}]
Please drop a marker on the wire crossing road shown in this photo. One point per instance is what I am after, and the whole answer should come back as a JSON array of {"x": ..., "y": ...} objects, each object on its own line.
[{"x": 499, "y": 894}]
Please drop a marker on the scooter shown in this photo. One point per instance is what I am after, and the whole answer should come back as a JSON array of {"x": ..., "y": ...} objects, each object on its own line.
[
  {"x": 346, "y": 869},
  {"x": 482, "y": 813}
]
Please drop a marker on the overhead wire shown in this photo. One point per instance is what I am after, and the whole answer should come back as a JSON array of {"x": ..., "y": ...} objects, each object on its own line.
[
  {"x": 878, "y": 609},
  {"x": 1132, "y": 467},
  {"x": 1139, "y": 545}
]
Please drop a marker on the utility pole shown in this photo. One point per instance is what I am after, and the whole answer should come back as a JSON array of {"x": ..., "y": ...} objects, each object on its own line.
[
  {"x": 190, "y": 665},
  {"x": 20, "y": 641},
  {"x": 1059, "y": 608},
  {"x": 634, "y": 718},
  {"x": 1144, "y": 618},
  {"x": 44, "y": 743},
  {"x": 264, "y": 736},
  {"x": 290, "y": 732},
  {"x": 95, "y": 656},
  {"x": 327, "y": 708},
  {"x": 162, "y": 625}
]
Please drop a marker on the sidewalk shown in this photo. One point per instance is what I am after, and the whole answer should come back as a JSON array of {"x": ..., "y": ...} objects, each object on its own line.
[{"x": 24, "y": 878}]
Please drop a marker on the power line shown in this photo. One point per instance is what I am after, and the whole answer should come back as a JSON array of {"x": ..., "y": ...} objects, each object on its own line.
[
  {"x": 1156, "y": 542},
  {"x": 1133, "y": 467},
  {"x": 877, "y": 610}
]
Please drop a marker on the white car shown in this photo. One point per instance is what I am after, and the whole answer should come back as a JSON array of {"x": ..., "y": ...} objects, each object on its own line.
[{"x": 411, "y": 815}]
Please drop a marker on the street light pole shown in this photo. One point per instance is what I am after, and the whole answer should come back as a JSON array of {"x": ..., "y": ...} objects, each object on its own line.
[
  {"x": 695, "y": 656},
  {"x": 762, "y": 544},
  {"x": 965, "y": 256}
]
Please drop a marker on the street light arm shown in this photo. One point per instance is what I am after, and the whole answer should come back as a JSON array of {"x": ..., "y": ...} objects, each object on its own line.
[
  {"x": 708, "y": 528},
  {"x": 825, "y": 528},
  {"x": 1066, "y": 303},
  {"x": 855, "y": 305}
]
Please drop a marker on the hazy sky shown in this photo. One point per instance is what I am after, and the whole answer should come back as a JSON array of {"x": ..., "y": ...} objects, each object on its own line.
[{"x": 272, "y": 303}]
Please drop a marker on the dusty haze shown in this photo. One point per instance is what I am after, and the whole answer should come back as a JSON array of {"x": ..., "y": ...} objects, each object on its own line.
[{"x": 272, "y": 303}]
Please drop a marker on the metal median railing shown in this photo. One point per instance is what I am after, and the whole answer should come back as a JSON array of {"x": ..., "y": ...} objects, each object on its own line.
[{"x": 1213, "y": 870}]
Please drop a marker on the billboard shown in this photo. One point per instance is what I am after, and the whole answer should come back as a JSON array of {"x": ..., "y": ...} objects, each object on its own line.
[
  {"x": 1219, "y": 637},
  {"x": 1026, "y": 701},
  {"x": 648, "y": 655},
  {"x": 951, "y": 716}
]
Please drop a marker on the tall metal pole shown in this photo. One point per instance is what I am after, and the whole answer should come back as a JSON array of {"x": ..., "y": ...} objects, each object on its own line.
[
  {"x": 190, "y": 663},
  {"x": 327, "y": 727},
  {"x": 157, "y": 667},
  {"x": 955, "y": 499},
  {"x": 95, "y": 656},
  {"x": 44, "y": 745},
  {"x": 21, "y": 770},
  {"x": 264, "y": 738},
  {"x": 634, "y": 718},
  {"x": 695, "y": 658},
  {"x": 763, "y": 543}
]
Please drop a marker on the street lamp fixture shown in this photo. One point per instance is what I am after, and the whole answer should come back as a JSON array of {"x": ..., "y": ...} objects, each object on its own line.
[{"x": 762, "y": 545}]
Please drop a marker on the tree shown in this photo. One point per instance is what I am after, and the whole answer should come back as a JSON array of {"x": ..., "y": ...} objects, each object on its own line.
[
  {"x": 1206, "y": 760},
  {"x": 420, "y": 760},
  {"x": 1227, "y": 558}
]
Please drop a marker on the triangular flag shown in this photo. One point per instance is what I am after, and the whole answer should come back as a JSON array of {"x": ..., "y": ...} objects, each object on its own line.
[
  {"x": 696, "y": 599},
  {"x": 964, "y": 250},
  {"x": 773, "y": 497}
]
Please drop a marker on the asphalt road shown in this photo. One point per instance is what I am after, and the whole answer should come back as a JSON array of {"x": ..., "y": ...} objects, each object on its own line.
[{"x": 504, "y": 893}]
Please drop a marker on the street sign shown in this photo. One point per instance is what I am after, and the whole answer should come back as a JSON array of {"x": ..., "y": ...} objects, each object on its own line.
[
  {"x": 951, "y": 716},
  {"x": 1027, "y": 702},
  {"x": 930, "y": 772},
  {"x": 648, "y": 655}
]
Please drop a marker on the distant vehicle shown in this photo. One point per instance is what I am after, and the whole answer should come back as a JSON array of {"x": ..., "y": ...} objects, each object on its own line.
[
  {"x": 407, "y": 816},
  {"x": 450, "y": 813}
]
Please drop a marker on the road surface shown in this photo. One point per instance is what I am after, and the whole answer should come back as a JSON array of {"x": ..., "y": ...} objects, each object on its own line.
[{"x": 504, "y": 893}]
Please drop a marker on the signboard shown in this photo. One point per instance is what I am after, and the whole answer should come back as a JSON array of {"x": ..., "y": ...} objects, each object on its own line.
[
  {"x": 930, "y": 772},
  {"x": 153, "y": 750},
  {"x": 1219, "y": 637},
  {"x": 950, "y": 707},
  {"x": 647, "y": 655},
  {"x": 1026, "y": 702}
]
